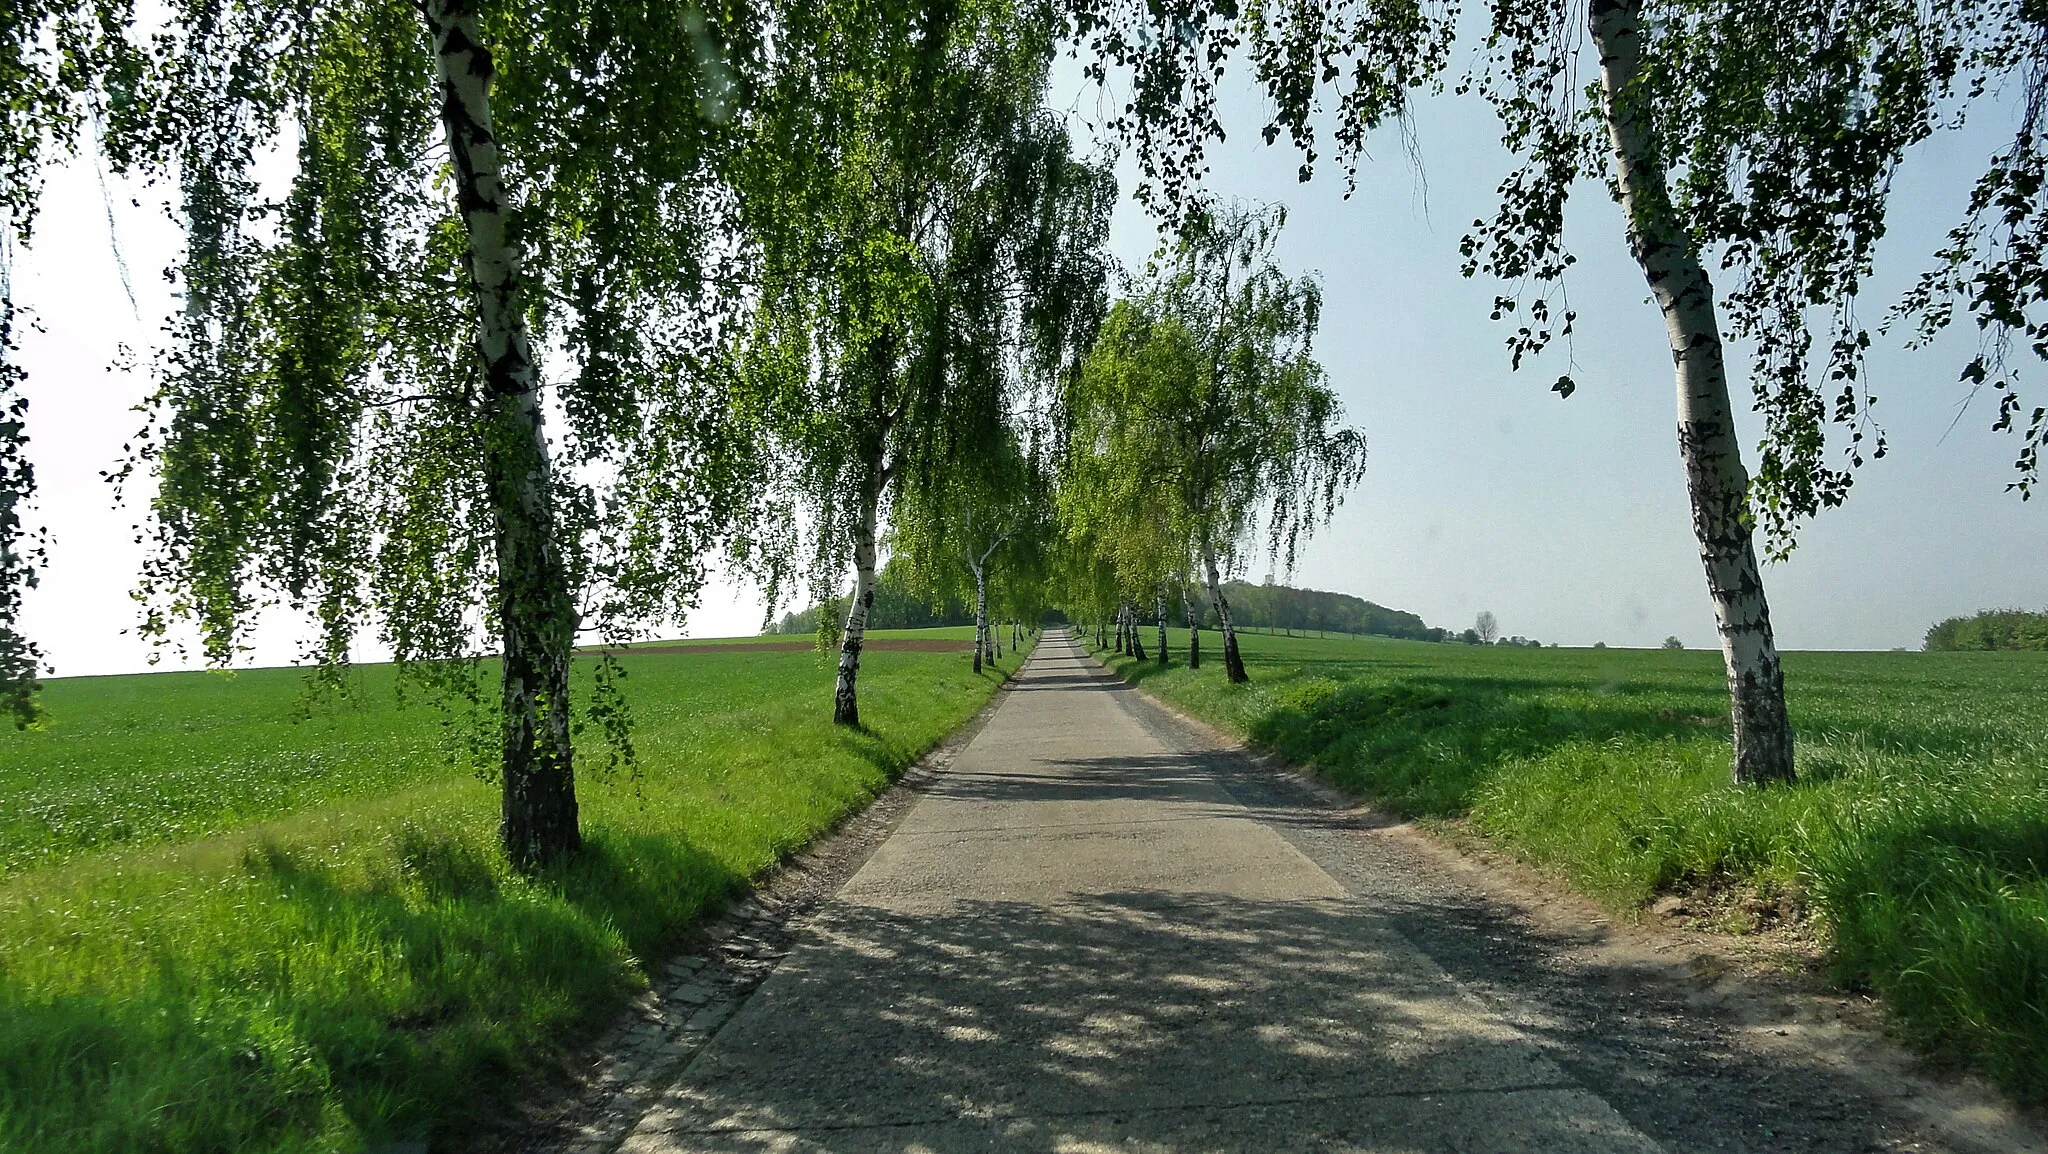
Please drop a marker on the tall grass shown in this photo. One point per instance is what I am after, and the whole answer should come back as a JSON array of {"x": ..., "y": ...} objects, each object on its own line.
[
  {"x": 1917, "y": 833},
  {"x": 340, "y": 958}
]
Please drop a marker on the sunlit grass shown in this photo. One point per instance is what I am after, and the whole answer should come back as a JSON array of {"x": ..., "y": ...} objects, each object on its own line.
[
  {"x": 249, "y": 932},
  {"x": 1917, "y": 834}
]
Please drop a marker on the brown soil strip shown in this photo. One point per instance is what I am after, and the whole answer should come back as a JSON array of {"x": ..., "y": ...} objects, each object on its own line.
[{"x": 874, "y": 644}]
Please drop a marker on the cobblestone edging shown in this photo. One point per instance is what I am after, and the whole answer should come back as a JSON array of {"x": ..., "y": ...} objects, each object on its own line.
[{"x": 637, "y": 1059}]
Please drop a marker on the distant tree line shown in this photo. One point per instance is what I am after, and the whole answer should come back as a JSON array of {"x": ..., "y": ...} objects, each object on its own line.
[
  {"x": 1990, "y": 629},
  {"x": 1283, "y": 608},
  {"x": 1472, "y": 637},
  {"x": 1276, "y": 607}
]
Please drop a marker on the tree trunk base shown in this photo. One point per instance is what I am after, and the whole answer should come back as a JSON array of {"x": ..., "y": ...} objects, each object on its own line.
[
  {"x": 1763, "y": 734},
  {"x": 538, "y": 822},
  {"x": 1233, "y": 664}
]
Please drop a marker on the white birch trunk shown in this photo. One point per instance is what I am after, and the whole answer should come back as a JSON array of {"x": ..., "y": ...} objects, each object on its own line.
[
  {"x": 1187, "y": 609},
  {"x": 1160, "y": 606},
  {"x": 1233, "y": 663},
  {"x": 536, "y": 611},
  {"x": 980, "y": 615},
  {"x": 1714, "y": 474},
  {"x": 845, "y": 696}
]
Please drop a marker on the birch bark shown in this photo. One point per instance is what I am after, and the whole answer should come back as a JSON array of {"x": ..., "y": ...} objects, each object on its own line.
[
  {"x": 1161, "y": 607},
  {"x": 1137, "y": 639},
  {"x": 980, "y": 615},
  {"x": 845, "y": 696},
  {"x": 1187, "y": 608},
  {"x": 1233, "y": 664},
  {"x": 1714, "y": 474},
  {"x": 536, "y": 611}
]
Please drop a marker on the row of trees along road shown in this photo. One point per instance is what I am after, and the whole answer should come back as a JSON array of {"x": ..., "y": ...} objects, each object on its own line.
[
  {"x": 923, "y": 274},
  {"x": 1201, "y": 417},
  {"x": 987, "y": 520},
  {"x": 818, "y": 265}
]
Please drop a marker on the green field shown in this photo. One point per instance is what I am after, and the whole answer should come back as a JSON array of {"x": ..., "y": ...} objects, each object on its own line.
[
  {"x": 229, "y": 923},
  {"x": 1916, "y": 838}
]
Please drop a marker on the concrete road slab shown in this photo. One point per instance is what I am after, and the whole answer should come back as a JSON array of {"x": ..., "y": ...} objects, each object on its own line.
[
  {"x": 1079, "y": 940},
  {"x": 1515, "y": 1122}
]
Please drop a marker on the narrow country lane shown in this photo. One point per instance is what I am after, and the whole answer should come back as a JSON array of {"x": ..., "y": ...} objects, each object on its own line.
[{"x": 1096, "y": 931}]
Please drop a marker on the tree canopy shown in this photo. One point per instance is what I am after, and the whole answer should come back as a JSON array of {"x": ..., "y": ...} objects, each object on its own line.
[
  {"x": 915, "y": 272},
  {"x": 550, "y": 303}
]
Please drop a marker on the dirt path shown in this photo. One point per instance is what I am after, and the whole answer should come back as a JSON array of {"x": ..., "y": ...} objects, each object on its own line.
[{"x": 1099, "y": 928}]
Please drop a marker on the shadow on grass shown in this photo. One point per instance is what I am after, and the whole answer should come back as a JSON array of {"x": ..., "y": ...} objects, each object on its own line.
[
  {"x": 351, "y": 1008},
  {"x": 88, "y": 1073},
  {"x": 1421, "y": 745}
]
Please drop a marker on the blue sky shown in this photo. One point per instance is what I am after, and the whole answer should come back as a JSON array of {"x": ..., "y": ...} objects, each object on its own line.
[{"x": 1484, "y": 490}]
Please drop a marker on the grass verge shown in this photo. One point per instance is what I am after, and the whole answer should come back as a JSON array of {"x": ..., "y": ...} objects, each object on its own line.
[
  {"x": 245, "y": 929},
  {"x": 1916, "y": 838}
]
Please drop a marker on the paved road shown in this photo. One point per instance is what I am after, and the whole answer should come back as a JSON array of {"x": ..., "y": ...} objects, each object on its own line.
[{"x": 1095, "y": 933}]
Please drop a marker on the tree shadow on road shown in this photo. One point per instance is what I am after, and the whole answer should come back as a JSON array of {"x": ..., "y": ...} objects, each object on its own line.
[{"x": 1180, "y": 1022}]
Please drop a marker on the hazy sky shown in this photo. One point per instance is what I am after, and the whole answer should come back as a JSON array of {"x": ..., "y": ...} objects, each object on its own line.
[{"x": 1484, "y": 490}]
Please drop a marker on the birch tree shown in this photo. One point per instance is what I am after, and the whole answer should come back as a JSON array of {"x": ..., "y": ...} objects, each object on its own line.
[
  {"x": 1762, "y": 138},
  {"x": 1204, "y": 390},
  {"x": 353, "y": 417},
  {"x": 1344, "y": 67},
  {"x": 1110, "y": 507},
  {"x": 926, "y": 239},
  {"x": 1085, "y": 577}
]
